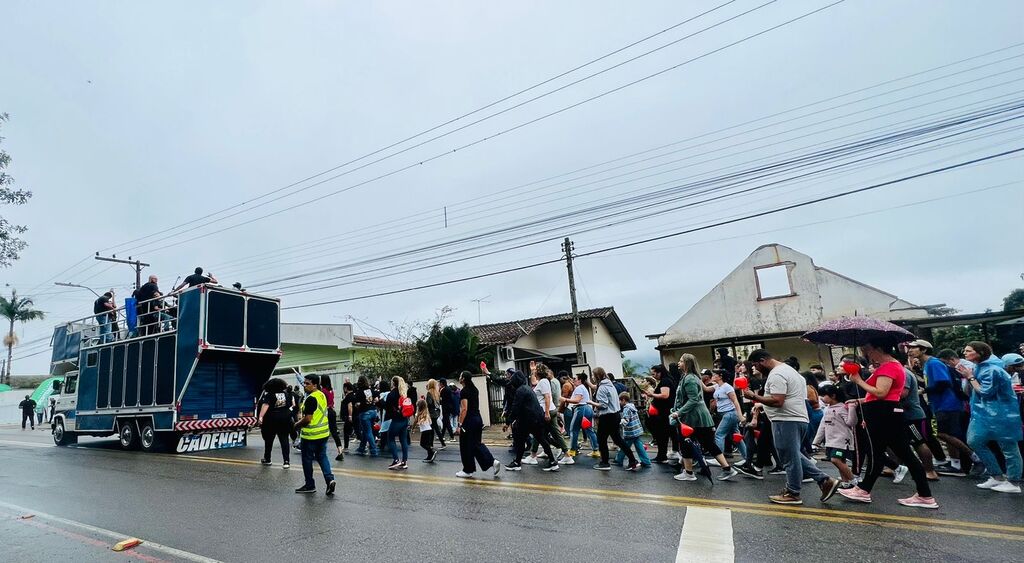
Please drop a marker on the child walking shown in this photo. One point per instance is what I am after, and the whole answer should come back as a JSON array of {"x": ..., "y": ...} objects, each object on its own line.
[
  {"x": 423, "y": 422},
  {"x": 836, "y": 433},
  {"x": 631, "y": 433}
]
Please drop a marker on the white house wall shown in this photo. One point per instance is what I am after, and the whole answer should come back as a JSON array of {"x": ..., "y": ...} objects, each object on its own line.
[{"x": 732, "y": 309}]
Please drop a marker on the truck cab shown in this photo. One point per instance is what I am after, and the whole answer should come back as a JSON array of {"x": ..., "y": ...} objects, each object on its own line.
[{"x": 183, "y": 377}]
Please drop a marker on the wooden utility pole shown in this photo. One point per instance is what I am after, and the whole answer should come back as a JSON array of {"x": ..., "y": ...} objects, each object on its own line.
[
  {"x": 567, "y": 247},
  {"x": 138, "y": 266}
]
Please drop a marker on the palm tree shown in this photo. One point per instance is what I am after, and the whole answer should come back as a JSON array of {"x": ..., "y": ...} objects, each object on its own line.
[{"x": 16, "y": 309}]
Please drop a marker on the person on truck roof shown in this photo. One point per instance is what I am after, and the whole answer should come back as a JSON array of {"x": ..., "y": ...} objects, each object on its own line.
[
  {"x": 106, "y": 317},
  {"x": 148, "y": 306},
  {"x": 196, "y": 279}
]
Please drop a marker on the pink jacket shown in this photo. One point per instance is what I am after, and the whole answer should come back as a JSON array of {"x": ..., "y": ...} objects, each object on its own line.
[{"x": 836, "y": 428}]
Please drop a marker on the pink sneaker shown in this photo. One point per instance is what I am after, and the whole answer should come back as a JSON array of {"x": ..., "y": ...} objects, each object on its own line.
[
  {"x": 919, "y": 502},
  {"x": 856, "y": 494}
]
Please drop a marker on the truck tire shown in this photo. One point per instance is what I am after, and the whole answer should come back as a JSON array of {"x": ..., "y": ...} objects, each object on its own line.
[
  {"x": 62, "y": 437},
  {"x": 149, "y": 439},
  {"x": 128, "y": 434}
]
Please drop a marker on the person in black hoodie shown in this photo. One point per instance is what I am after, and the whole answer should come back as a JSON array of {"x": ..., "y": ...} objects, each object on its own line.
[
  {"x": 526, "y": 417},
  {"x": 662, "y": 398}
]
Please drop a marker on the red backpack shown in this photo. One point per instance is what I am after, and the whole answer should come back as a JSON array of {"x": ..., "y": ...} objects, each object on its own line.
[{"x": 407, "y": 407}]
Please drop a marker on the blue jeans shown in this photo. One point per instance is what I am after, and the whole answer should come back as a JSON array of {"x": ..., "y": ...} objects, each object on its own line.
[
  {"x": 815, "y": 417},
  {"x": 366, "y": 432},
  {"x": 641, "y": 454},
  {"x": 399, "y": 429},
  {"x": 315, "y": 450},
  {"x": 106, "y": 330},
  {"x": 729, "y": 425},
  {"x": 788, "y": 435},
  {"x": 581, "y": 412},
  {"x": 978, "y": 441}
]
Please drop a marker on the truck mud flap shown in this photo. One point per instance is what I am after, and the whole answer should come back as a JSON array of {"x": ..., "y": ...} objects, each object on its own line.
[{"x": 211, "y": 440}]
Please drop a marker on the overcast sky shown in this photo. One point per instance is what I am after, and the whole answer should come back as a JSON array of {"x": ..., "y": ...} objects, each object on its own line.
[{"x": 129, "y": 119}]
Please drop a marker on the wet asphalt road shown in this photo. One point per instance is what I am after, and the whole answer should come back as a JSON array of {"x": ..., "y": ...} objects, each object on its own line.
[{"x": 225, "y": 506}]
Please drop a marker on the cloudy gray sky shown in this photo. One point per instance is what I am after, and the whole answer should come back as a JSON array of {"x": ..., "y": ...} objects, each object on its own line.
[{"x": 175, "y": 122}]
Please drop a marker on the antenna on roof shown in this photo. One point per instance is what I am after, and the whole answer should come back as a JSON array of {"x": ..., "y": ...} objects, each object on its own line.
[{"x": 478, "y": 302}]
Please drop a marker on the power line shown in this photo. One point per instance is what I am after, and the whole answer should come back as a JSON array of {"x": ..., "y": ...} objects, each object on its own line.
[
  {"x": 492, "y": 136},
  {"x": 683, "y": 232}
]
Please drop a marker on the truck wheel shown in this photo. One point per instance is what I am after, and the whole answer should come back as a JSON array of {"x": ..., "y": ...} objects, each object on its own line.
[
  {"x": 62, "y": 437},
  {"x": 149, "y": 440},
  {"x": 128, "y": 434}
]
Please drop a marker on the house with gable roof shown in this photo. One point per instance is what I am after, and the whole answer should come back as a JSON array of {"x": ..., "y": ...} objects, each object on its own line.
[{"x": 769, "y": 301}]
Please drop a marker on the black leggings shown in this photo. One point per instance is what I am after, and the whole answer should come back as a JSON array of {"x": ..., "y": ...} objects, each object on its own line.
[
  {"x": 885, "y": 429},
  {"x": 608, "y": 426},
  {"x": 521, "y": 432},
  {"x": 332, "y": 423},
  {"x": 427, "y": 441},
  {"x": 661, "y": 431},
  {"x": 279, "y": 430}
]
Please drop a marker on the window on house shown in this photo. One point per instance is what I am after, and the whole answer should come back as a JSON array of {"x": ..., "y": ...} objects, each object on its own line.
[{"x": 773, "y": 281}]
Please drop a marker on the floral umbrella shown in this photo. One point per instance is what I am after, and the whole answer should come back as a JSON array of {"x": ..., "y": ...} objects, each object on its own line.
[{"x": 857, "y": 331}]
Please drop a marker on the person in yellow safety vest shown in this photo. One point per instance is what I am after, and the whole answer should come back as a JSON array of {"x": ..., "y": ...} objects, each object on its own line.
[{"x": 314, "y": 432}]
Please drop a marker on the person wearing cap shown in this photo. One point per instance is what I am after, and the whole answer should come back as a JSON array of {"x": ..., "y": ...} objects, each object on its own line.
[
  {"x": 947, "y": 407},
  {"x": 1014, "y": 365},
  {"x": 196, "y": 278}
]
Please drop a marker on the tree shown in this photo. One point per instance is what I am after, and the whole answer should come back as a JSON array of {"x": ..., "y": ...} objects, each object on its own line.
[
  {"x": 631, "y": 368},
  {"x": 447, "y": 350},
  {"x": 397, "y": 358},
  {"x": 10, "y": 244},
  {"x": 1014, "y": 301},
  {"x": 16, "y": 309}
]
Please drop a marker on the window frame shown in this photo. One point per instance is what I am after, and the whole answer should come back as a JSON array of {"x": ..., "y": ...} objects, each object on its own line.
[{"x": 789, "y": 280}]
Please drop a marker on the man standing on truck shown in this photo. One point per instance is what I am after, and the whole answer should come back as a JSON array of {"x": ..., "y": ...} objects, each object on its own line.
[
  {"x": 196, "y": 279},
  {"x": 104, "y": 309},
  {"x": 28, "y": 407},
  {"x": 314, "y": 432}
]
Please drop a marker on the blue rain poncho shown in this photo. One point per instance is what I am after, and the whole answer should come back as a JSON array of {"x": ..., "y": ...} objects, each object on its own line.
[{"x": 995, "y": 412}]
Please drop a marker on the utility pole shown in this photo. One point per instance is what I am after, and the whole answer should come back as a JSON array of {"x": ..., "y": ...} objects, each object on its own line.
[
  {"x": 138, "y": 266},
  {"x": 567, "y": 247}
]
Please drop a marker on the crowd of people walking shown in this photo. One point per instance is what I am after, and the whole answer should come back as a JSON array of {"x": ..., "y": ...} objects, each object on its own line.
[{"x": 890, "y": 411}]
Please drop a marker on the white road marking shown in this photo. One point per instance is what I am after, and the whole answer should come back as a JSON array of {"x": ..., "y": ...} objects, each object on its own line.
[
  {"x": 167, "y": 550},
  {"x": 706, "y": 536}
]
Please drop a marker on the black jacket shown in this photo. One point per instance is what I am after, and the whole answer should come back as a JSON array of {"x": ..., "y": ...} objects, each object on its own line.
[{"x": 523, "y": 407}]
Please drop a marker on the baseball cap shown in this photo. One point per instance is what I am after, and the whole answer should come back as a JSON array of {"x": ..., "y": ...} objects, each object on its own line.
[
  {"x": 919, "y": 344},
  {"x": 1013, "y": 360}
]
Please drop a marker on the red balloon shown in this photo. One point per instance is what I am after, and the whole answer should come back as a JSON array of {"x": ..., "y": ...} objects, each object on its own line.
[
  {"x": 851, "y": 368},
  {"x": 741, "y": 383},
  {"x": 686, "y": 430},
  {"x": 586, "y": 424},
  {"x": 737, "y": 438},
  {"x": 652, "y": 411},
  {"x": 376, "y": 428}
]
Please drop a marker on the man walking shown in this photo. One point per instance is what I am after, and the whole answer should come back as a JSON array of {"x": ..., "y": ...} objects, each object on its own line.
[
  {"x": 28, "y": 407},
  {"x": 784, "y": 400},
  {"x": 314, "y": 431},
  {"x": 947, "y": 402}
]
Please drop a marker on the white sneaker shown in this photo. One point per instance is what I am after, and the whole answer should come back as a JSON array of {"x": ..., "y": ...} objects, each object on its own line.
[
  {"x": 567, "y": 461},
  {"x": 712, "y": 462},
  {"x": 530, "y": 460},
  {"x": 1006, "y": 487},
  {"x": 541, "y": 455},
  {"x": 899, "y": 474},
  {"x": 684, "y": 476},
  {"x": 464, "y": 475},
  {"x": 497, "y": 467},
  {"x": 991, "y": 483}
]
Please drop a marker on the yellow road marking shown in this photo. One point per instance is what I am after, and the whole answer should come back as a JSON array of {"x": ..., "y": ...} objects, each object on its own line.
[{"x": 974, "y": 529}]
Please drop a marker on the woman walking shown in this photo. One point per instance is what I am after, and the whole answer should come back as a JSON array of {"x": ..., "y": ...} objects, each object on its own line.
[
  {"x": 662, "y": 397},
  {"x": 470, "y": 430},
  {"x": 365, "y": 407},
  {"x": 422, "y": 421},
  {"x": 433, "y": 399},
  {"x": 581, "y": 399},
  {"x": 332, "y": 414},
  {"x": 607, "y": 409},
  {"x": 346, "y": 412},
  {"x": 398, "y": 426},
  {"x": 275, "y": 419},
  {"x": 885, "y": 427},
  {"x": 690, "y": 410},
  {"x": 995, "y": 417},
  {"x": 728, "y": 406}
]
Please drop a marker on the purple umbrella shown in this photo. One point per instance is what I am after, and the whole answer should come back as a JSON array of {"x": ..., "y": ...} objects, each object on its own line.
[{"x": 857, "y": 331}]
